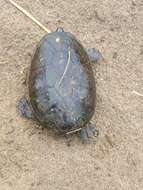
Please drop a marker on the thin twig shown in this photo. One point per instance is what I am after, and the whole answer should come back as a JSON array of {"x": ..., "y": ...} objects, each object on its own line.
[
  {"x": 73, "y": 131},
  {"x": 29, "y": 16},
  {"x": 69, "y": 58},
  {"x": 137, "y": 93}
]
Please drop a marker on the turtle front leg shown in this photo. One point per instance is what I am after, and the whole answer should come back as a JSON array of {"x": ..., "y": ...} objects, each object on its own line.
[
  {"x": 94, "y": 55},
  {"x": 89, "y": 133},
  {"x": 24, "y": 108}
]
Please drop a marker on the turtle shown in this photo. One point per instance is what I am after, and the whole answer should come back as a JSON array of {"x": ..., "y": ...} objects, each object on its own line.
[{"x": 61, "y": 86}]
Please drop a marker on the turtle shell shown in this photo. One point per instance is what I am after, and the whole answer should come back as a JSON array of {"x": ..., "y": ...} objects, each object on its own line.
[{"x": 61, "y": 83}]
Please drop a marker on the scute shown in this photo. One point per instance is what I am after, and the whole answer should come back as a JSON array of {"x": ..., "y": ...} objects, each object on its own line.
[{"x": 61, "y": 83}]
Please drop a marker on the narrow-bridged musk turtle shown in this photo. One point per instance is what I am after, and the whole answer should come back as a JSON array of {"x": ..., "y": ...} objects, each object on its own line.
[{"x": 61, "y": 85}]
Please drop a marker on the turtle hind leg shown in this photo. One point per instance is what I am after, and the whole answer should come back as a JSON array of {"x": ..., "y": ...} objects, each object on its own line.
[
  {"x": 88, "y": 134},
  {"x": 94, "y": 55},
  {"x": 24, "y": 108}
]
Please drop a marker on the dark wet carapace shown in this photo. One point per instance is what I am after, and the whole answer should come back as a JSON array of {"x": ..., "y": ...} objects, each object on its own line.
[{"x": 61, "y": 83}]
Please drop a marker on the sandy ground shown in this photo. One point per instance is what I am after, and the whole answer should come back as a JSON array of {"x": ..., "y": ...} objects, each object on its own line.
[{"x": 32, "y": 159}]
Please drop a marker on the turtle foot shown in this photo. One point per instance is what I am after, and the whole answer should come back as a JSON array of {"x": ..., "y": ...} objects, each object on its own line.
[{"x": 24, "y": 108}]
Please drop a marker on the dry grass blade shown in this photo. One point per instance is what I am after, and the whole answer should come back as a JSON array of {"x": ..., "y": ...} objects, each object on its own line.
[
  {"x": 73, "y": 131},
  {"x": 137, "y": 93},
  {"x": 69, "y": 58},
  {"x": 29, "y": 16}
]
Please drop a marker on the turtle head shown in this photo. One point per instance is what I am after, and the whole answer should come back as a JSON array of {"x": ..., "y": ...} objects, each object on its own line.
[{"x": 60, "y": 29}]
